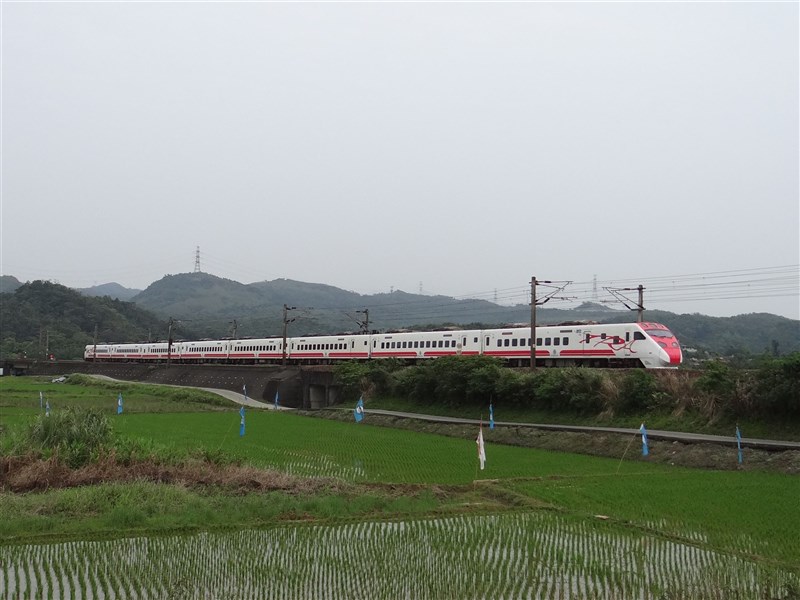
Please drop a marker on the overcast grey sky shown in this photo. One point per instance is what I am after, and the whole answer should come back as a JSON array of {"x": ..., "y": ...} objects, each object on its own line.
[{"x": 456, "y": 148}]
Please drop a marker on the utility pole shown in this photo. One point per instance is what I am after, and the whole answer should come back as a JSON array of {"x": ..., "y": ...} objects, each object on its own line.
[
  {"x": 169, "y": 341},
  {"x": 534, "y": 283},
  {"x": 365, "y": 323},
  {"x": 234, "y": 328},
  {"x": 616, "y": 292},
  {"x": 94, "y": 351},
  {"x": 640, "y": 306},
  {"x": 534, "y": 303},
  {"x": 286, "y": 322}
]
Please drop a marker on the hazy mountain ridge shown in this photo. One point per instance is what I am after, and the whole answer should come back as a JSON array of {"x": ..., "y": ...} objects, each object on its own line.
[
  {"x": 112, "y": 290},
  {"x": 9, "y": 284},
  {"x": 206, "y": 306}
]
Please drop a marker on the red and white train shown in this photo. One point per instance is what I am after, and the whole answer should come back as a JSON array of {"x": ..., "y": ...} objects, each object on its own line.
[{"x": 649, "y": 345}]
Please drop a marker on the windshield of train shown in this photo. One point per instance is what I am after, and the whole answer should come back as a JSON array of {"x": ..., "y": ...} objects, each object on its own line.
[{"x": 657, "y": 333}]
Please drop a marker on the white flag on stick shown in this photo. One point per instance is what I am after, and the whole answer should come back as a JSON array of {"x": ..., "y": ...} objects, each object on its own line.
[{"x": 481, "y": 448}]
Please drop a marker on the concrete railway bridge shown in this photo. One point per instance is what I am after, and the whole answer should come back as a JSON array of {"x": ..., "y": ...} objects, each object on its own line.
[{"x": 297, "y": 387}]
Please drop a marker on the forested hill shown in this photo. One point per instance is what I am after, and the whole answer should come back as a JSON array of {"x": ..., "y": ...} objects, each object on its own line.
[
  {"x": 40, "y": 315},
  {"x": 204, "y": 306}
]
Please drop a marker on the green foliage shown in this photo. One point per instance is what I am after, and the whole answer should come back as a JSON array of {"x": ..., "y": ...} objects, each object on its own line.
[
  {"x": 450, "y": 380},
  {"x": 778, "y": 386},
  {"x": 515, "y": 389},
  {"x": 638, "y": 391},
  {"x": 717, "y": 379},
  {"x": 66, "y": 319},
  {"x": 357, "y": 378},
  {"x": 76, "y": 435}
]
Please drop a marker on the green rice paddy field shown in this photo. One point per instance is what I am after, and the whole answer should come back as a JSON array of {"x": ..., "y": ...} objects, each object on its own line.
[{"x": 564, "y": 525}]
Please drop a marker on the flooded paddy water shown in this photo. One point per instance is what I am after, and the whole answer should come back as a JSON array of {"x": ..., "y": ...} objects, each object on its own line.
[{"x": 522, "y": 555}]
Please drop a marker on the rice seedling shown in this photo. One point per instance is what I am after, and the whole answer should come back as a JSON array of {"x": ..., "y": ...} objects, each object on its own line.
[{"x": 534, "y": 555}]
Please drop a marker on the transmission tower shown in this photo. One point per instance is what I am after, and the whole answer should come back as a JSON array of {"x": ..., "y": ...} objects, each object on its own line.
[{"x": 197, "y": 260}]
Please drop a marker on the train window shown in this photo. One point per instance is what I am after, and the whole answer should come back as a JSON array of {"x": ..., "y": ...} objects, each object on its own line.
[
  {"x": 538, "y": 341},
  {"x": 514, "y": 342},
  {"x": 565, "y": 341},
  {"x": 487, "y": 341},
  {"x": 638, "y": 335},
  {"x": 602, "y": 336},
  {"x": 588, "y": 337},
  {"x": 499, "y": 343},
  {"x": 546, "y": 341},
  {"x": 428, "y": 344},
  {"x": 627, "y": 336},
  {"x": 474, "y": 340},
  {"x": 404, "y": 345},
  {"x": 441, "y": 343},
  {"x": 556, "y": 341},
  {"x": 617, "y": 339},
  {"x": 506, "y": 342},
  {"x": 416, "y": 344}
]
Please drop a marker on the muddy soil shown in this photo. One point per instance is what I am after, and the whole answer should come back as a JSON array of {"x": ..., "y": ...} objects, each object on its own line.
[{"x": 29, "y": 473}]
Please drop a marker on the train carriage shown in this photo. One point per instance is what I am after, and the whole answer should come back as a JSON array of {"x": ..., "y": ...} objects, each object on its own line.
[
  {"x": 426, "y": 344},
  {"x": 253, "y": 351},
  {"x": 326, "y": 348}
]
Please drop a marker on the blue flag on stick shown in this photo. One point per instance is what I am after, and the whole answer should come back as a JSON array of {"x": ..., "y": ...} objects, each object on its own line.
[
  {"x": 645, "y": 449},
  {"x": 739, "y": 443},
  {"x": 358, "y": 413},
  {"x": 277, "y": 400},
  {"x": 491, "y": 416},
  {"x": 119, "y": 404},
  {"x": 244, "y": 390},
  {"x": 241, "y": 423}
]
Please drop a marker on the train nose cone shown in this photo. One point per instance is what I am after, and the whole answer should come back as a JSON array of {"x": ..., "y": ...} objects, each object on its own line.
[{"x": 675, "y": 357}]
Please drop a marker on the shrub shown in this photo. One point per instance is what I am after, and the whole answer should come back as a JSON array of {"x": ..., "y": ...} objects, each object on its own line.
[
  {"x": 777, "y": 386},
  {"x": 514, "y": 389},
  {"x": 75, "y": 434},
  {"x": 352, "y": 376},
  {"x": 416, "y": 383},
  {"x": 717, "y": 380},
  {"x": 638, "y": 391},
  {"x": 550, "y": 390}
]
